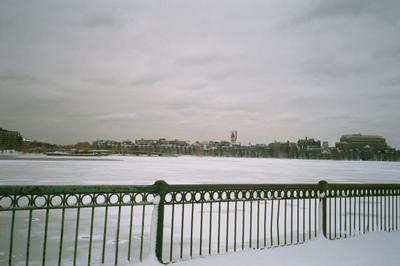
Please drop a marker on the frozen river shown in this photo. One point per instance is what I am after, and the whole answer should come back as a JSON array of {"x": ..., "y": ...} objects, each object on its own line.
[
  {"x": 186, "y": 169},
  {"x": 38, "y": 169}
]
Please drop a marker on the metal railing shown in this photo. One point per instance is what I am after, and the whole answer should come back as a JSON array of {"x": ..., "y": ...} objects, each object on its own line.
[
  {"x": 65, "y": 225},
  {"x": 355, "y": 209},
  {"x": 84, "y": 225},
  {"x": 200, "y": 220}
]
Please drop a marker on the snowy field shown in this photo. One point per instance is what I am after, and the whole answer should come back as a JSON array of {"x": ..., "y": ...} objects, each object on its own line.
[{"x": 371, "y": 249}]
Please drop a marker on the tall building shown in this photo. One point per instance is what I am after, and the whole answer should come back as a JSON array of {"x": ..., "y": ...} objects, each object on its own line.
[
  {"x": 361, "y": 142},
  {"x": 9, "y": 140},
  {"x": 309, "y": 148},
  {"x": 233, "y": 136}
]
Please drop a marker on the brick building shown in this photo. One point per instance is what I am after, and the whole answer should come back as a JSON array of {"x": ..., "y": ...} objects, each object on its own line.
[{"x": 9, "y": 140}]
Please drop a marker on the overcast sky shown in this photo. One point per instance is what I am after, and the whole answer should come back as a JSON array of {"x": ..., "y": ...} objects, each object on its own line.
[{"x": 194, "y": 70}]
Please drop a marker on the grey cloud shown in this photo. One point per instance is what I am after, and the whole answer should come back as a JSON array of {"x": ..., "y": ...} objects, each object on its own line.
[
  {"x": 146, "y": 80},
  {"x": 391, "y": 82},
  {"x": 193, "y": 86},
  {"x": 197, "y": 59},
  {"x": 221, "y": 75},
  {"x": 143, "y": 80},
  {"x": 116, "y": 116},
  {"x": 100, "y": 20},
  {"x": 333, "y": 68},
  {"x": 389, "y": 55},
  {"x": 102, "y": 82},
  {"x": 10, "y": 76},
  {"x": 384, "y": 10}
]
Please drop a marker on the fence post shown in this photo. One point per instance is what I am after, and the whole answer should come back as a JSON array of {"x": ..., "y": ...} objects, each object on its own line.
[
  {"x": 162, "y": 188},
  {"x": 322, "y": 200}
]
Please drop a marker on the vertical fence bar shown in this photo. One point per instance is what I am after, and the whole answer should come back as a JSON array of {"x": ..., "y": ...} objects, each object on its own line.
[
  {"x": 227, "y": 225},
  {"x": 309, "y": 217},
  {"x": 392, "y": 196},
  {"x": 359, "y": 212},
  {"x": 162, "y": 188},
  {"x": 201, "y": 227},
  {"x": 277, "y": 221},
  {"x": 284, "y": 222},
  {"x": 271, "y": 223},
  {"x": 315, "y": 215},
  {"x": 330, "y": 217},
  {"x": 76, "y": 233},
  {"x": 235, "y": 227},
  {"x": 340, "y": 216},
  {"x": 91, "y": 235},
  {"x": 368, "y": 219},
  {"x": 142, "y": 232},
  {"x": 251, "y": 223},
  {"x": 258, "y": 224},
  {"x": 355, "y": 205},
  {"x": 28, "y": 238},
  {"x": 210, "y": 233},
  {"x": 265, "y": 223},
  {"x": 304, "y": 218},
  {"x": 345, "y": 216},
  {"x": 219, "y": 225},
  {"x": 103, "y": 252},
  {"x": 172, "y": 232},
  {"x": 372, "y": 210},
  {"x": 323, "y": 188},
  {"x": 383, "y": 211},
  {"x": 335, "y": 216},
  {"x": 182, "y": 224},
  {"x": 117, "y": 236},
  {"x": 298, "y": 220},
  {"x": 130, "y": 233},
  {"x": 350, "y": 215},
  {"x": 397, "y": 209},
  {"x": 243, "y": 222},
  {"x": 364, "y": 214},
  {"x": 11, "y": 236},
  {"x": 291, "y": 219},
  {"x": 191, "y": 229}
]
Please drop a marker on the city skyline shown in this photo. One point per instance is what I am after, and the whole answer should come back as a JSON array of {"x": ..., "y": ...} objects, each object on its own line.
[{"x": 72, "y": 71}]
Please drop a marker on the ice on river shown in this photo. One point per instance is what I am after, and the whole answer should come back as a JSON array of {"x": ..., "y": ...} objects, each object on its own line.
[{"x": 187, "y": 169}]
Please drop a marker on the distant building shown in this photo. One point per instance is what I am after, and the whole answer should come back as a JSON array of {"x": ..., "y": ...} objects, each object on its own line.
[
  {"x": 361, "y": 142},
  {"x": 325, "y": 145},
  {"x": 146, "y": 142},
  {"x": 309, "y": 144},
  {"x": 309, "y": 148},
  {"x": 105, "y": 144},
  {"x": 9, "y": 140},
  {"x": 283, "y": 149},
  {"x": 175, "y": 142},
  {"x": 233, "y": 136}
]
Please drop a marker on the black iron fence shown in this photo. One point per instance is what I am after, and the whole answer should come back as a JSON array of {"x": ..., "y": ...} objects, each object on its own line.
[
  {"x": 84, "y": 225},
  {"x": 75, "y": 225}
]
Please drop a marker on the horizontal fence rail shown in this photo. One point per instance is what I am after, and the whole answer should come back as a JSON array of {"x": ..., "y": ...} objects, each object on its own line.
[{"x": 90, "y": 225}]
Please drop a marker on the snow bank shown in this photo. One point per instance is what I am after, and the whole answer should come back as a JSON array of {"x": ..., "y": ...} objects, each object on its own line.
[{"x": 368, "y": 250}]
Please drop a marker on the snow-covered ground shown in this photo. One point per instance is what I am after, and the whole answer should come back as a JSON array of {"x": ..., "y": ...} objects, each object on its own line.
[
  {"x": 372, "y": 249},
  {"x": 369, "y": 250}
]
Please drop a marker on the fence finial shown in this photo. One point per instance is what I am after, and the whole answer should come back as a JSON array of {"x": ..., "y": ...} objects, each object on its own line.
[{"x": 161, "y": 185}]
